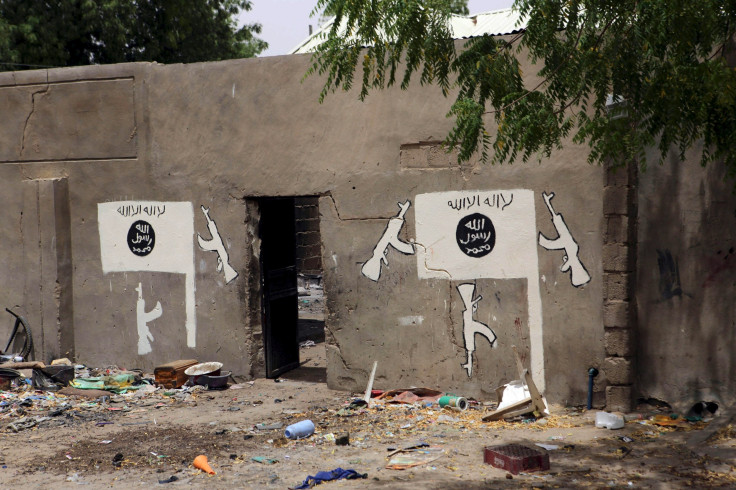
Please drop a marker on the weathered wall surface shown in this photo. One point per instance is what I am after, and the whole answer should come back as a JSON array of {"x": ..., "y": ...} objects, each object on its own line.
[
  {"x": 148, "y": 152},
  {"x": 686, "y": 288}
]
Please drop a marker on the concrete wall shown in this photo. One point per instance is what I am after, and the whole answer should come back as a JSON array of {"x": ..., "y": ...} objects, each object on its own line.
[
  {"x": 686, "y": 289},
  {"x": 88, "y": 153}
]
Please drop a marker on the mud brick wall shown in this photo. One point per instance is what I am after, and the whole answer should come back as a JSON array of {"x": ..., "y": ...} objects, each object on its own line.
[
  {"x": 619, "y": 266},
  {"x": 308, "y": 244}
]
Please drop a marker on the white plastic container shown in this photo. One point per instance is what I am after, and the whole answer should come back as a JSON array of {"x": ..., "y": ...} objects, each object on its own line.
[
  {"x": 605, "y": 420},
  {"x": 302, "y": 429}
]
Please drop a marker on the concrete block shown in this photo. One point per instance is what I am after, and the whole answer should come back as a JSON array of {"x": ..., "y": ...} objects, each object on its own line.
[
  {"x": 622, "y": 176},
  {"x": 306, "y": 211},
  {"x": 619, "y": 342},
  {"x": 619, "y": 398},
  {"x": 617, "y": 229},
  {"x": 616, "y": 286},
  {"x": 618, "y": 370},
  {"x": 307, "y": 225},
  {"x": 312, "y": 264},
  {"x": 617, "y": 258},
  {"x": 616, "y": 200},
  {"x": 616, "y": 314}
]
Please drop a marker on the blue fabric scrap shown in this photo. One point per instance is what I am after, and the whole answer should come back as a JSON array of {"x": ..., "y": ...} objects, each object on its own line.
[{"x": 336, "y": 474}]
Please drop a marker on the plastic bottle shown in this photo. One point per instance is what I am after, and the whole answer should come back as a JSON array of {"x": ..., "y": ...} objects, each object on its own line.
[
  {"x": 300, "y": 430},
  {"x": 605, "y": 420}
]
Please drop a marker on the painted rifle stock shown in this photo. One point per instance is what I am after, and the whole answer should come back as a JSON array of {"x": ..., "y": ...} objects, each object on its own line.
[
  {"x": 564, "y": 241},
  {"x": 215, "y": 245},
  {"x": 372, "y": 268}
]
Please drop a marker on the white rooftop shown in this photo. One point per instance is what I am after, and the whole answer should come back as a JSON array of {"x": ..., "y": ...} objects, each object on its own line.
[{"x": 494, "y": 22}]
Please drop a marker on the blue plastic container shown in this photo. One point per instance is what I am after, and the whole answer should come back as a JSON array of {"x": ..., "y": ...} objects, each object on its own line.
[{"x": 300, "y": 430}]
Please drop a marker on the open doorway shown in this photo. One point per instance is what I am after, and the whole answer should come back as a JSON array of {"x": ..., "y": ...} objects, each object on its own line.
[{"x": 291, "y": 279}]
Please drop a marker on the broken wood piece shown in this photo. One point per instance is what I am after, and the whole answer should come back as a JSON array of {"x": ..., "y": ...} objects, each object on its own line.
[
  {"x": 368, "y": 389},
  {"x": 533, "y": 403},
  {"x": 518, "y": 408}
]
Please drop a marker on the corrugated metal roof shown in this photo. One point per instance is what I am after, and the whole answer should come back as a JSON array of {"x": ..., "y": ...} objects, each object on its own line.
[{"x": 494, "y": 22}]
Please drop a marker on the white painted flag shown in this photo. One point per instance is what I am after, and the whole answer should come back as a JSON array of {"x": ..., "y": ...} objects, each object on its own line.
[
  {"x": 150, "y": 236},
  {"x": 462, "y": 235},
  {"x": 476, "y": 234}
]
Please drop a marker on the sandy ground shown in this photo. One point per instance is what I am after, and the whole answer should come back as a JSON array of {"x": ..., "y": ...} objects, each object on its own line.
[{"x": 155, "y": 438}]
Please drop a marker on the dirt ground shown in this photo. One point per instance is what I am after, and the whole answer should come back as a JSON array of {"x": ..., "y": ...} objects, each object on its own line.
[{"x": 153, "y": 438}]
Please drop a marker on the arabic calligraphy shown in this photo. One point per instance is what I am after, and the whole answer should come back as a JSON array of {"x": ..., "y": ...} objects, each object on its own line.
[
  {"x": 141, "y": 238},
  {"x": 130, "y": 210},
  {"x": 492, "y": 200},
  {"x": 476, "y": 235}
]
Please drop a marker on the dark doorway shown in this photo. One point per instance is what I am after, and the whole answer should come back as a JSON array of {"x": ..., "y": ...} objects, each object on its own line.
[{"x": 278, "y": 276}]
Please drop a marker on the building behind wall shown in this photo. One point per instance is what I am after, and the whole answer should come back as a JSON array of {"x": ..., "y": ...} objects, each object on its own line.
[{"x": 189, "y": 150}]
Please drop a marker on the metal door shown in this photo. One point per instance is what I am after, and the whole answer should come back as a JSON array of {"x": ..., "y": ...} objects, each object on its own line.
[{"x": 278, "y": 269}]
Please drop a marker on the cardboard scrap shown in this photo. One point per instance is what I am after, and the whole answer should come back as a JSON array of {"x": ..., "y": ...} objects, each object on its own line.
[{"x": 410, "y": 457}]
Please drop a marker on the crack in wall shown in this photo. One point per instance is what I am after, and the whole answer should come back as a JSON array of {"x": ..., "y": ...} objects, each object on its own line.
[
  {"x": 340, "y": 218},
  {"x": 30, "y": 114},
  {"x": 426, "y": 268},
  {"x": 453, "y": 325},
  {"x": 336, "y": 344}
]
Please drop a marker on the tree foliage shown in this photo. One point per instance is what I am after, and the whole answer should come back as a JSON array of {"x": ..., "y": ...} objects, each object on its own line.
[
  {"x": 459, "y": 7},
  {"x": 664, "y": 64},
  {"x": 81, "y": 32}
]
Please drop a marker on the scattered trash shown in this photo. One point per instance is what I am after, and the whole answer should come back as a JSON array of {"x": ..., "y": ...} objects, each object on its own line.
[
  {"x": 343, "y": 440},
  {"x": 410, "y": 457},
  {"x": 300, "y": 430},
  {"x": 447, "y": 418},
  {"x": 106, "y": 441},
  {"x": 516, "y": 458},
  {"x": 548, "y": 447},
  {"x": 413, "y": 395},
  {"x": 336, "y": 474},
  {"x": 119, "y": 383},
  {"x": 274, "y": 426},
  {"x": 626, "y": 439},
  {"x": 200, "y": 462},
  {"x": 701, "y": 411},
  {"x": 605, "y": 420},
  {"x": 171, "y": 479},
  {"x": 306, "y": 344},
  {"x": 117, "y": 460},
  {"x": 264, "y": 460},
  {"x": 669, "y": 421},
  {"x": 23, "y": 424}
]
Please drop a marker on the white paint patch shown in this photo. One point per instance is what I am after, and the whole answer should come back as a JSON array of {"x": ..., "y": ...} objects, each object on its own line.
[
  {"x": 334, "y": 259},
  {"x": 405, "y": 321},
  {"x": 484, "y": 234},
  {"x": 544, "y": 279},
  {"x": 151, "y": 236},
  {"x": 233, "y": 90}
]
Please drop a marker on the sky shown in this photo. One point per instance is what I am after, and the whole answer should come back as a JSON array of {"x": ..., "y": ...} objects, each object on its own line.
[{"x": 286, "y": 22}]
